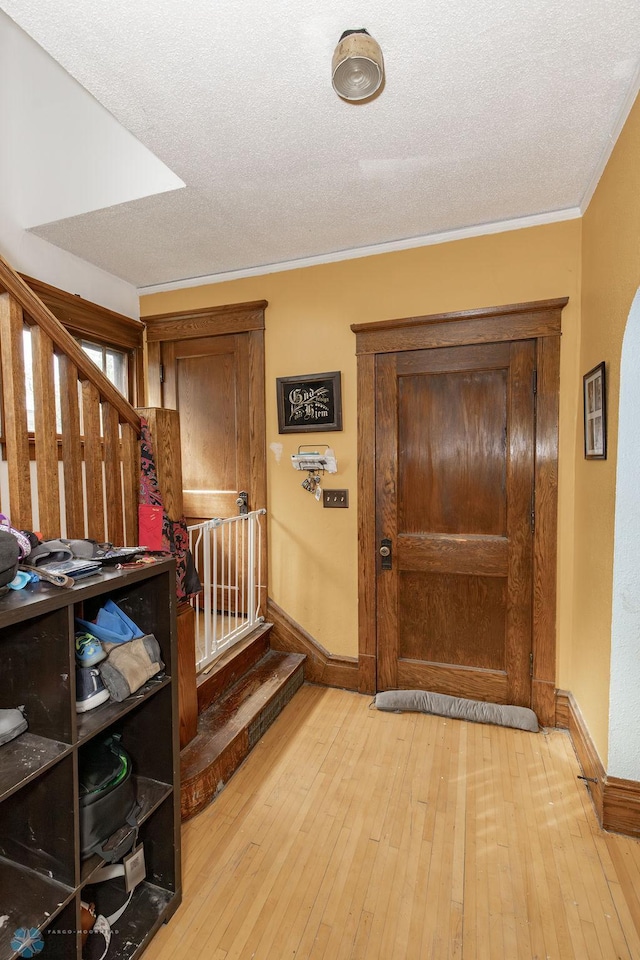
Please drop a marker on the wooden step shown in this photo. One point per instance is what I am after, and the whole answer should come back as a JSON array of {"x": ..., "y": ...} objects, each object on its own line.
[
  {"x": 231, "y": 727},
  {"x": 216, "y": 680}
]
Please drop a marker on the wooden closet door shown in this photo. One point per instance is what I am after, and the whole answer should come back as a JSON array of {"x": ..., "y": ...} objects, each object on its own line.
[
  {"x": 207, "y": 380},
  {"x": 454, "y": 486}
]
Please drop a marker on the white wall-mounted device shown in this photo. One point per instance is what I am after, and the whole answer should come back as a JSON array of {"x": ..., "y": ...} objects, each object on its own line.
[{"x": 314, "y": 461}]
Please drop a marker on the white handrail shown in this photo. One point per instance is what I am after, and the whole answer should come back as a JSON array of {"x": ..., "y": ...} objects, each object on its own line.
[{"x": 227, "y": 553}]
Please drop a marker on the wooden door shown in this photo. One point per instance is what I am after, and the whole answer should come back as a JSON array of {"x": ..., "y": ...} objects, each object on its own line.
[
  {"x": 454, "y": 489},
  {"x": 207, "y": 381}
]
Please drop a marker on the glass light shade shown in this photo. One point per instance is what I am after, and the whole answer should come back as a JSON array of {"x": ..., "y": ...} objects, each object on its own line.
[{"x": 357, "y": 67}]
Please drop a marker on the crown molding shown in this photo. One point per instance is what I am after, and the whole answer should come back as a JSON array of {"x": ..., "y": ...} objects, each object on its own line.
[
  {"x": 607, "y": 150},
  {"x": 393, "y": 246}
]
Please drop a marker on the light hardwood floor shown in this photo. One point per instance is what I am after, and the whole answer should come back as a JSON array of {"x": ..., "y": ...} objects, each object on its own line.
[{"x": 350, "y": 833}]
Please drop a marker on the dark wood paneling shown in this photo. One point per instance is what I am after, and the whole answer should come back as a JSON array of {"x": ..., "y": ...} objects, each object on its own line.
[
  {"x": 257, "y": 488},
  {"x": 93, "y": 462},
  {"x": 451, "y": 431},
  {"x": 320, "y": 666},
  {"x": 187, "y": 690},
  {"x": 587, "y": 754},
  {"x": 38, "y": 313},
  {"x": 72, "y": 452},
  {"x": 130, "y": 482},
  {"x": 15, "y": 412},
  {"x": 169, "y": 389},
  {"x": 227, "y": 730},
  {"x": 199, "y": 790},
  {"x": 517, "y": 321},
  {"x": 223, "y": 449},
  {"x": 217, "y": 680},
  {"x": 367, "y": 674},
  {"x": 217, "y": 384},
  {"x": 455, "y": 332},
  {"x": 520, "y": 485},
  {"x": 472, "y": 684},
  {"x": 153, "y": 391},
  {"x": 203, "y": 505},
  {"x": 113, "y": 475},
  {"x": 45, "y": 434},
  {"x": 546, "y": 509},
  {"x": 486, "y": 556},
  {"x": 455, "y": 460},
  {"x": 563, "y": 712},
  {"x": 164, "y": 427},
  {"x": 540, "y": 320},
  {"x": 207, "y": 390},
  {"x": 386, "y": 513},
  {"x": 366, "y": 515},
  {"x": 621, "y": 806},
  {"x": 206, "y": 322},
  {"x": 456, "y": 619},
  {"x": 616, "y": 801},
  {"x": 506, "y": 310},
  {"x": 88, "y": 319},
  {"x": 242, "y": 418},
  {"x": 493, "y": 356},
  {"x": 543, "y": 702}
]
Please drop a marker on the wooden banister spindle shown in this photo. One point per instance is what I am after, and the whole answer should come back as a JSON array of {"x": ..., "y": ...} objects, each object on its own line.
[
  {"x": 93, "y": 461},
  {"x": 15, "y": 412},
  {"x": 113, "y": 475},
  {"x": 46, "y": 443},
  {"x": 71, "y": 447},
  {"x": 107, "y": 494},
  {"x": 65, "y": 343},
  {"x": 131, "y": 482}
]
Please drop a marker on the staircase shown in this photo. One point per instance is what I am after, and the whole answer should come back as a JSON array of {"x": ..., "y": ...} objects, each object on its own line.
[{"x": 238, "y": 700}]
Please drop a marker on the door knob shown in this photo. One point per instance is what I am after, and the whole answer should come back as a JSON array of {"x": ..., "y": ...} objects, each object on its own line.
[{"x": 385, "y": 551}]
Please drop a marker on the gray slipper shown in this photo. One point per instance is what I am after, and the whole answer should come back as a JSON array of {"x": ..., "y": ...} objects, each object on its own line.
[{"x": 12, "y": 724}]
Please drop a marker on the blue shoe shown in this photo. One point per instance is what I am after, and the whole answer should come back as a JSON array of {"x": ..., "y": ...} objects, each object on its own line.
[
  {"x": 88, "y": 649},
  {"x": 90, "y": 690},
  {"x": 111, "y": 625}
]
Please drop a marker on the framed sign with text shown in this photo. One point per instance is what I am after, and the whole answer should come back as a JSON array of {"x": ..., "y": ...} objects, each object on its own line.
[{"x": 309, "y": 403}]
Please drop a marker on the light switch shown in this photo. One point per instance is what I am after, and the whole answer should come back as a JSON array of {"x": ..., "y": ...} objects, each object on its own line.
[{"x": 335, "y": 498}]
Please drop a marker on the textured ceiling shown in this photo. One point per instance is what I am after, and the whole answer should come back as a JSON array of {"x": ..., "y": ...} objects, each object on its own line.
[{"x": 493, "y": 110}]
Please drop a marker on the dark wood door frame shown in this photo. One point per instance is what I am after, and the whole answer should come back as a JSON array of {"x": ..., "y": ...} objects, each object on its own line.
[
  {"x": 235, "y": 318},
  {"x": 539, "y": 321}
]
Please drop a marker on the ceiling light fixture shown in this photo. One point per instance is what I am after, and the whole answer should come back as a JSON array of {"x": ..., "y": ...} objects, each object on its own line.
[{"x": 357, "y": 68}]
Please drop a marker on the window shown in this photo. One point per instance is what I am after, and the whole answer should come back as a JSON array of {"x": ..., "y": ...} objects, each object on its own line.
[{"x": 114, "y": 364}]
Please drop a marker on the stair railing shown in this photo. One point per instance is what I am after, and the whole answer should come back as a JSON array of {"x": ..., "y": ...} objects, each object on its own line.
[
  {"x": 94, "y": 493},
  {"x": 227, "y": 554}
]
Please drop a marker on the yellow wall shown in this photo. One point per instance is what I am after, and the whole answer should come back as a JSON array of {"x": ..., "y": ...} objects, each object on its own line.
[
  {"x": 611, "y": 276},
  {"x": 313, "y": 551}
]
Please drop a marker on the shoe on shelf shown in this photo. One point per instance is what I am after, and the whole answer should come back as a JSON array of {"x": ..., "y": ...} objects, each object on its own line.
[
  {"x": 88, "y": 649},
  {"x": 12, "y": 724},
  {"x": 90, "y": 690}
]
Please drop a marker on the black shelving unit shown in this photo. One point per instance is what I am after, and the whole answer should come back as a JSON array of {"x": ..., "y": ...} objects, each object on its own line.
[{"x": 42, "y": 877}]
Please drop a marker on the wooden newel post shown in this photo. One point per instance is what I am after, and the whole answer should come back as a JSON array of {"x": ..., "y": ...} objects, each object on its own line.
[{"x": 164, "y": 428}]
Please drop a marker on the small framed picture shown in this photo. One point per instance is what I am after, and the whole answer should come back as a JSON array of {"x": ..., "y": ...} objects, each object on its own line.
[
  {"x": 595, "y": 414},
  {"x": 309, "y": 403}
]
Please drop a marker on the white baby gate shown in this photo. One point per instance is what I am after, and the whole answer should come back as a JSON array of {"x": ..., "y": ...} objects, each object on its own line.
[{"x": 227, "y": 554}]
